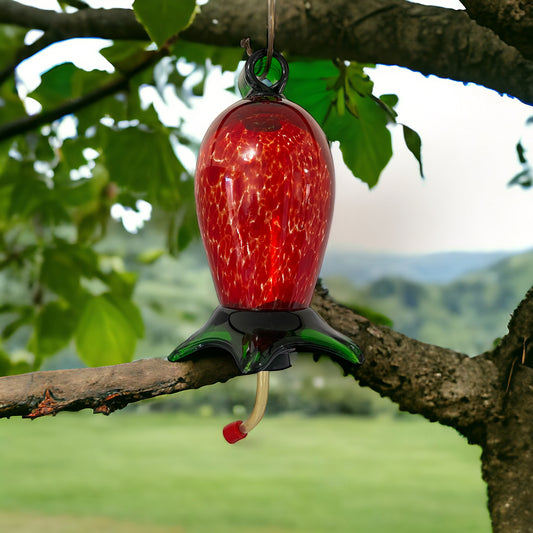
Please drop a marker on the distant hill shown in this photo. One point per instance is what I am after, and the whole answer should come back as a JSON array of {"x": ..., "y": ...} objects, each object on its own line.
[
  {"x": 466, "y": 314},
  {"x": 362, "y": 267}
]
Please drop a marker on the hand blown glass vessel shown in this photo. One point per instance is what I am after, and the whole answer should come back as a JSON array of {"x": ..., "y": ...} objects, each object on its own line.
[{"x": 264, "y": 195}]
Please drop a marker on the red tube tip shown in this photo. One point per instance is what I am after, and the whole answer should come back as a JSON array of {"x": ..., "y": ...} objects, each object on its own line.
[{"x": 232, "y": 432}]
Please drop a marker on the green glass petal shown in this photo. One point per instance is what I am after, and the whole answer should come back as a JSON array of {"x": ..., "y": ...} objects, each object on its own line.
[{"x": 263, "y": 340}]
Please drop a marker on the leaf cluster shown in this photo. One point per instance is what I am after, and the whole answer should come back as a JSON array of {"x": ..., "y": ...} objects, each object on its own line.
[
  {"x": 340, "y": 97},
  {"x": 57, "y": 188}
]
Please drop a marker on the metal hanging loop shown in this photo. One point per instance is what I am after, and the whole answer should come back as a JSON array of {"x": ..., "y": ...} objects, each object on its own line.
[{"x": 259, "y": 87}]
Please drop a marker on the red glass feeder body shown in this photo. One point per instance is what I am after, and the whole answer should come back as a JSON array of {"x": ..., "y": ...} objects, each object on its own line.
[
  {"x": 264, "y": 197},
  {"x": 264, "y": 193}
]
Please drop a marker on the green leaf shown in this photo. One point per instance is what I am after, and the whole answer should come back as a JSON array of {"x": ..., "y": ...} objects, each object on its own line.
[
  {"x": 63, "y": 267},
  {"x": 11, "y": 106},
  {"x": 523, "y": 178},
  {"x": 120, "y": 283},
  {"x": 340, "y": 99},
  {"x": 521, "y": 151},
  {"x": 115, "y": 106},
  {"x": 25, "y": 317},
  {"x": 414, "y": 143},
  {"x": 164, "y": 18},
  {"x": 124, "y": 55},
  {"x": 11, "y": 42},
  {"x": 390, "y": 100},
  {"x": 358, "y": 80},
  {"x": 365, "y": 142},
  {"x": 9, "y": 367},
  {"x": 105, "y": 334},
  {"x": 54, "y": 327},
  {"x": 72, "y": 152},
  {"x": 388, "y": 103},
  {"x": 310, "y": 85},
  {"x": 183, "y": 226},
  {"x": 131, "y": 312},
  {"x": 188, "y": 230},
  {"x": 228, "y": 57},
  {"x": 59, "y": 275},
  {"x": 142, "y": 161},
  {"x": 27, "y": 194},
  {"x": 66, "y": 81},
  {"x": 4, "y": 155}
]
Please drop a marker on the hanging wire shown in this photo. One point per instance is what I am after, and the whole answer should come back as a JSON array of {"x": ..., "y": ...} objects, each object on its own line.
[{"x": 271, "y": 18}]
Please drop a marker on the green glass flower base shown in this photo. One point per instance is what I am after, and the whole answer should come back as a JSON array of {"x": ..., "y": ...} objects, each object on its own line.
[{"x": 263, "y": 340}]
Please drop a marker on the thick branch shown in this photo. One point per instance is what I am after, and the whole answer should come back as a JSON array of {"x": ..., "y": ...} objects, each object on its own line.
[
  {"x": 427, "y": 39},
  {"x": 115, "y": 23},
  {"x": 507, "y": 454},
  {"x": 440, "y": 384},
  {"x": 431, "y": 40},
  {"x": 512, "y": 20}
]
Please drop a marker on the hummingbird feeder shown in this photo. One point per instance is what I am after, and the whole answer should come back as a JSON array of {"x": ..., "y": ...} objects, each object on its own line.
[{"x": 264, "y": 189}]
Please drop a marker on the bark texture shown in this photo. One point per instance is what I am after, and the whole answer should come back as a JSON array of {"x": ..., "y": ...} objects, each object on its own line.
[
  {"x": 108, "y": 388},
  {"x": 508, "y": 446},
  {"x": 512, "y": 20}
]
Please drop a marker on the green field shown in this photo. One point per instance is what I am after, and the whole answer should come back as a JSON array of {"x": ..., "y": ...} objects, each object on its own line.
[{"x": 163, "y": 473}]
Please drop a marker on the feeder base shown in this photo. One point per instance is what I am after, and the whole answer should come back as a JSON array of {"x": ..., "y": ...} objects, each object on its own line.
[{"x": 260, "y": 340}]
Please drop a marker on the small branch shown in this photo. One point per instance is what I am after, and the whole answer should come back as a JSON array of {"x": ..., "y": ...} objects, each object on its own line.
[
  {"x": 114, "y": 23},
  {"x": 106, "y": 389},
  {"x": 32, "y": 122}
]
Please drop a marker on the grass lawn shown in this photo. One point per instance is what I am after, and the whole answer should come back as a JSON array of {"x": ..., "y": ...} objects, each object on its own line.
[{"x": 171, "y": 473}]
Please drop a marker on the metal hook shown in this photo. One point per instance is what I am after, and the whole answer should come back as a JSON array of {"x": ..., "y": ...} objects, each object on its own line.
[
  {"x": 271, "y": 17},
  {"x": 254, "y": 83}
]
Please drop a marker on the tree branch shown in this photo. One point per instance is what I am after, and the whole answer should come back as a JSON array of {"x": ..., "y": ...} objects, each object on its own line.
[
  {"x": 428, "y": 39},
  {"x": 441, "y": 384},
  {"x": 436, "y": 382},
  {"x": 30, "y": 122},
  {"x": 107, "y": 388},
  {"x": 512, "y": 20},
  {"x": 114, "y": 23}
]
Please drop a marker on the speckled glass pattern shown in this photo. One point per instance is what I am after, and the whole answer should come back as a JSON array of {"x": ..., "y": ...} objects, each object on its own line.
[{"x": 264, "y": 193}]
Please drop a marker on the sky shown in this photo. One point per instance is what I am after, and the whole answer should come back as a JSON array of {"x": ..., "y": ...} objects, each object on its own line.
[
  {"x": 463, "y": 203},
  {"x": 469, "y": 135}
]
